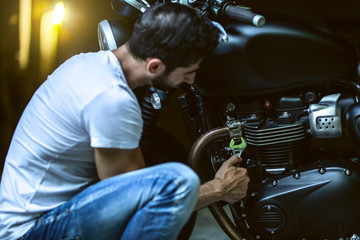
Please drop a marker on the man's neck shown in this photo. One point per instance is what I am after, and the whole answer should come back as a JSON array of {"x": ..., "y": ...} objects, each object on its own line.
[{"x": 134, "y": 70}]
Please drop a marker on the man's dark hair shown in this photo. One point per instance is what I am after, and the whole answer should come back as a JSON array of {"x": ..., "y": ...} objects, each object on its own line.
[{"x": 176, "y": 34}]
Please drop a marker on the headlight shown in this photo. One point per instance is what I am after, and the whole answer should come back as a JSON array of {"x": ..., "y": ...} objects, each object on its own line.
[{"x": 113, "y": 33}]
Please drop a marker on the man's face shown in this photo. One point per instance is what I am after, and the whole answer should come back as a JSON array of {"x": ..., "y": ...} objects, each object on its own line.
[{"x": 177, "y": 77}]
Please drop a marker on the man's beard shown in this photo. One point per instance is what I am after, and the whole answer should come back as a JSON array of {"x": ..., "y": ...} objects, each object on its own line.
[{"x": 161, "y": 82}]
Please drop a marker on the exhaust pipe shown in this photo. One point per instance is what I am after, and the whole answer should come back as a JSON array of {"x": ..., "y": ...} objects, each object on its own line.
[
  {"x": 194, "y": 162},
  {"x": 201, "y": 144}
]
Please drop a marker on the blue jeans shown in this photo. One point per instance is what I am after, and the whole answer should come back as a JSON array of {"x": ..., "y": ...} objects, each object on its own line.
[{"x": 151, "y": 203}]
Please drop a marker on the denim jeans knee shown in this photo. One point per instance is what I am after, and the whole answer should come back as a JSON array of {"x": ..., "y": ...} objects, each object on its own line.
[{"x": 151, "y": 203}]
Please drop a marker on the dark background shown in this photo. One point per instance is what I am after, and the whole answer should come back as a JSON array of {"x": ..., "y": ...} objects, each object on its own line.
[{"x": 78, "y": 33}]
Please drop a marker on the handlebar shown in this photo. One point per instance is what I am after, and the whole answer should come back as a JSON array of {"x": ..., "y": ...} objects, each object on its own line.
[
  {"x": 244, "y": 15},
  {"x": 228, "y": 8}
]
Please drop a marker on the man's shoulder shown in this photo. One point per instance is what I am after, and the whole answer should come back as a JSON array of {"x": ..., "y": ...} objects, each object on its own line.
[
  {"x": 90, "y": 56},
  {"x": 97, "y": 65}
]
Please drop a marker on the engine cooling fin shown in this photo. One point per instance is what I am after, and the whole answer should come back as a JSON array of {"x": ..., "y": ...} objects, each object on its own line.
[{"x": 277, "y": 146}]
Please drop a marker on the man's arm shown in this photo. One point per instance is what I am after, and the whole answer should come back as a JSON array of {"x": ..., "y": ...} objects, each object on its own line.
[
  {"x": 230, "y": 184},
  {"x": 111, "y": 162}
]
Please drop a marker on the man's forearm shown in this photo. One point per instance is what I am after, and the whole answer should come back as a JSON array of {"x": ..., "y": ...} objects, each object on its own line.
[{"x": 208, "y": 194}]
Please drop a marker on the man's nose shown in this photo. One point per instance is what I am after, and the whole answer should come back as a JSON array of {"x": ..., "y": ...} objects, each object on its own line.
[{"x": 190, "y": 78}]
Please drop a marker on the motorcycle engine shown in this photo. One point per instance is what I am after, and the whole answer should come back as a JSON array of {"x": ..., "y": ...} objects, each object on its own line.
[
  {"x": 281, "y": 83},
  {"x": 294, "y": 192}
]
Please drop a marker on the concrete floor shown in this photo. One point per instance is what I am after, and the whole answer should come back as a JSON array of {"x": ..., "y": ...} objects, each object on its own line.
[{"x": 206, "y": 227}]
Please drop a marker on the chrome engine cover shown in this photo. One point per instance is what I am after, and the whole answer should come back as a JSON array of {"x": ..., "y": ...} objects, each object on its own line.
[{"x": 325, "y": 117}]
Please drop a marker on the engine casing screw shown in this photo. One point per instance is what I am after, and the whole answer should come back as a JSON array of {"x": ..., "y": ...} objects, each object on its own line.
[
  {"x": 297, "y": 175},
  {"x": 230, "y": 107},
  {"x": 275, "y": 183},
  {"x": 258, "y": 237},
  {"x": 347, "y": 172},
  {"x": 322, "y": 170},
  {"x": 253, "y": 194},
  {"x": 243, "y": 215}
]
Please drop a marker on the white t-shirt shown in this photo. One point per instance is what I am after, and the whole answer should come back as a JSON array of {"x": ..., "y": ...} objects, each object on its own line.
[{"x": 85, "y": 104}]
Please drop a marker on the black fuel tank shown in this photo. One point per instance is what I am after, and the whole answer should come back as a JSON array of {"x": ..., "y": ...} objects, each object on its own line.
[{"x": 284, "y": 54}]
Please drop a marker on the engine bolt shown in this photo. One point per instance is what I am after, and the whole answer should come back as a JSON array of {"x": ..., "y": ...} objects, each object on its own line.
[
  {"x": 230, "y": 107},
  {"x": 347, "y": 172},
  {"x": 253, "y": 194},
  {"x": 354, "y": 237},
  {"x": 225, "y": 37},
  {"x": 258, "y": 237},
  {"x": 275, "y": 183},
  {"x": 272, "y": 232},
  {"x": 322, "y": 170},
  {"x": 297, "y": 175},
  {"x": 244, "y": 215}
]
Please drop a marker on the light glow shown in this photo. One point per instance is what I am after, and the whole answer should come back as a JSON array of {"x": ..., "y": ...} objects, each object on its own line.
[
  {"x": 24, "y": 32},
  {"x": 58, "y": 13},
  {"x": 48, "y": 44}
]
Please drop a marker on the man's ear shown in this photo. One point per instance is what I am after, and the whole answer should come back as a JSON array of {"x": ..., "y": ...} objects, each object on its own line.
[{"x": 155, "y": 66}]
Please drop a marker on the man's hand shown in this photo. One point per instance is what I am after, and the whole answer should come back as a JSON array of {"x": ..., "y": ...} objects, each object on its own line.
[
  {"x": 230, "y": 184},
  {"x": 232, "y": 180}
]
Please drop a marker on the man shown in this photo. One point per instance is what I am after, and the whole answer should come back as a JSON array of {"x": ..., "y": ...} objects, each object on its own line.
[{"x": 84, "y": 125}]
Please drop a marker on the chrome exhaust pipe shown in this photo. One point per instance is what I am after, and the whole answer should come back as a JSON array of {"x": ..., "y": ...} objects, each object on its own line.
[
  {"x": 194, "y": 162},
  {"x": 202, "y": 142}
]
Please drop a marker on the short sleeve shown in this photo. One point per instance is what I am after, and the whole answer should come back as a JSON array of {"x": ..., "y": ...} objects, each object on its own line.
[{"x": 113, "y": 119}]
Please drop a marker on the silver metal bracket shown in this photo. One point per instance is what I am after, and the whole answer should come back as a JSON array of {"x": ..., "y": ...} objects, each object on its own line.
[
  {"x": 234, "y": 126},
  {"x": 155, "y": 101},
  {"x": 325, "y": 117},
  {"x": 355, "y": 237}
]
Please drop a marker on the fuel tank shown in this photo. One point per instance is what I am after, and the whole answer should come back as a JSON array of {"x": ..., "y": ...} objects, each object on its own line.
[{"x": 286, "y": 53}]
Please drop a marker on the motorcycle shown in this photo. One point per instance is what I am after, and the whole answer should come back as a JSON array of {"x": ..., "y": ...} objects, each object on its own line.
[{"x": 283, "y": 95}]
